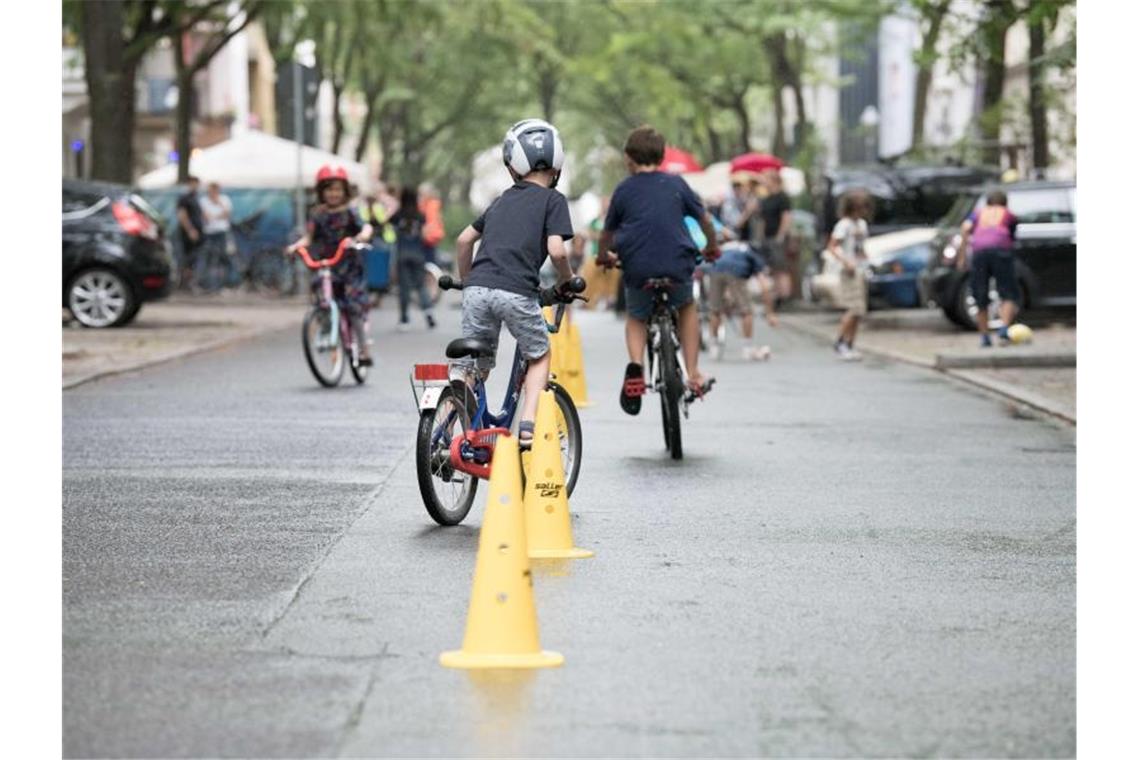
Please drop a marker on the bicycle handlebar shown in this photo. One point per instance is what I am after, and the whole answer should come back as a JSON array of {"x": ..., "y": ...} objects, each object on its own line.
[
  {"x": 312, "y": 263},
  {"x": 570, "y": 290}
]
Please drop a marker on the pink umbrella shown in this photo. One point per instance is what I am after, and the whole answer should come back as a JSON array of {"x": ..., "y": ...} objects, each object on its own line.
[
  {"x": 755, "y": 162},
  {"x": 677, "y": 161}
]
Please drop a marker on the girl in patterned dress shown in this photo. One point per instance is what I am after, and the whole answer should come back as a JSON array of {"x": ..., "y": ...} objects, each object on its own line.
[{"x": 330, "y": 222}]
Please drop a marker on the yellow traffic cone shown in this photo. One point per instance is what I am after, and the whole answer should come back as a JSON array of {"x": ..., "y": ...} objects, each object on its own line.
[
  {"x": 573, "y": 375},
  {"x": 502, "y": 626},
  {"x": 548, "y": 533}
]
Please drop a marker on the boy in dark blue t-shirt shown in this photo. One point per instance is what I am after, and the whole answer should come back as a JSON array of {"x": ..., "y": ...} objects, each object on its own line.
[{"x": 645, "y": 227}]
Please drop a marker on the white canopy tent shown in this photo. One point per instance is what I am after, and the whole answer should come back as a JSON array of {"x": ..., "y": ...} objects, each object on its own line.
[{"x": 255, "y": 159}]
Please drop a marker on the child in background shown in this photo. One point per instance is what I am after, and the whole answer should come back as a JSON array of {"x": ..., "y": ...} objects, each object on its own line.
[
  {"x": 331, "y": 221},
  {"x": 846, "y": 245}
]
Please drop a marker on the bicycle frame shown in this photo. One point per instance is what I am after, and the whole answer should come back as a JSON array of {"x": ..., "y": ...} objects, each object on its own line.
[{"x": 471, "y": 453}]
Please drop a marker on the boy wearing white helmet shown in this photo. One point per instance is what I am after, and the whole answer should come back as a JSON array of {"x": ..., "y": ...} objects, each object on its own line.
[{"x": 524, "y": 225}]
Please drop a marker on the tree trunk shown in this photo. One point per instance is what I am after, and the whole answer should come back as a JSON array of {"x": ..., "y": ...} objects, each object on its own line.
[
  {"x": 935, "y": 15},
  {"x": 793, "y": 79},
  {"x": 110, "y": 76},
  {"x": 715, "y": 150},
  {"x": 999, "y": 18},
  {"x": 366, "y": 128},
  {"x": 779, "y": 145},
  {"x": 547, "y": 90},
  {"x": 184, "y": 111},
  {"x": 338, "y": 120},
  {"x": 739, "y": 107},
  {"x": 1038, "y": 124}
]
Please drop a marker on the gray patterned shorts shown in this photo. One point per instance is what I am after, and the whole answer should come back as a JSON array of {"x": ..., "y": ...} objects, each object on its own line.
[{"x": 485, "y": 310}]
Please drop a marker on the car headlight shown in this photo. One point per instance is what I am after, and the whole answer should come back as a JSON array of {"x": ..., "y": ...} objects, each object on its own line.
[{"x": 951, "y": 249}]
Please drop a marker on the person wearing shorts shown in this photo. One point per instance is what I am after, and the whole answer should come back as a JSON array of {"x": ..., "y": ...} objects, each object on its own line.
[
  {"x": 645, "y": 226},
  {"x": 524, "y": 225},
  {"x": 728, "y": 294},
  {"x": 846, "y": 245},
  {"x": 990, "y": 231}
]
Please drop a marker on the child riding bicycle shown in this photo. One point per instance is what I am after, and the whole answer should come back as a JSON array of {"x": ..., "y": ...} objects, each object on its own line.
[
  {"x": 645, "y": 226},
  {"x": 330, "y": 222},
  {"x": 529, "y": 221}
]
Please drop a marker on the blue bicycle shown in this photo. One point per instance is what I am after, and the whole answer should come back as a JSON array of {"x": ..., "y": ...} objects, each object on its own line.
[{"x": 455, "y": 442}]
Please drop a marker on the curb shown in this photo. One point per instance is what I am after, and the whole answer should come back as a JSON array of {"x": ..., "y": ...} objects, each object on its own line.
[
  {"x": 177, "y": 354},
  {"x": 997, "y": 387},
  {"x": 1005, "y": 360}
]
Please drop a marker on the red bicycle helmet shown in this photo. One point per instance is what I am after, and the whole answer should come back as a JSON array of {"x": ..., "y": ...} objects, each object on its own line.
[{"x": 328, "y": 173}]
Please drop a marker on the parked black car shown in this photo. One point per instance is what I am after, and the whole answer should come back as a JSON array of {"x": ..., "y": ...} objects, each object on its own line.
[
  {"x": 1045, "y": 251},
  {"x": 115, "y": 255},
  {"x": 904, "y": 196}
]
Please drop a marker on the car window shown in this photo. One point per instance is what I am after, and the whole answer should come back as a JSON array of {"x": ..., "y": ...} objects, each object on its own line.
[
  {"x": 1047, "y": 205},
  {"x": 76, "y": 201}
]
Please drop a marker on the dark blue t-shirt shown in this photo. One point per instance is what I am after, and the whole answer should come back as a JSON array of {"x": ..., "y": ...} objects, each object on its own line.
[
  {"x": 514, "y": 229},
  {"x": 647, "y": 214}
]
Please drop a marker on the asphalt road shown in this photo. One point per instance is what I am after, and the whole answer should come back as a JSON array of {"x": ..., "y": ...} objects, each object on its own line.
[{"x": 853, "y": 560}]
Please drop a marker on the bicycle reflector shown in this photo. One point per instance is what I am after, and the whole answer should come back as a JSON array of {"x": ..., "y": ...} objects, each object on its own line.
[{"x": 428, "y": 372}]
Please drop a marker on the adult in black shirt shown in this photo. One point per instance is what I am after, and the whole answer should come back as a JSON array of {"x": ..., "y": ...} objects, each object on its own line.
[
  {"x": 190, "y": 225},
  {"x": 776, "y": 211}
]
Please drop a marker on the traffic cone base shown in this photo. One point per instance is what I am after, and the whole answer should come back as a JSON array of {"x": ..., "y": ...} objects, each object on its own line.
[
  {"x": 471, "y": 660},
  {"x": 502, "y": 625},
  {"x": 572, "y": 553}
]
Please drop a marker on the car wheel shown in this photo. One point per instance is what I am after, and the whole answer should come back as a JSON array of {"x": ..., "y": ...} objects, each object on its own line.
[{"x": 101, "y": 298}]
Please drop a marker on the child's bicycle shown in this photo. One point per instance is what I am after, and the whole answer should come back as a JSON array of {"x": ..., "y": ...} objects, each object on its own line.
[
  {"x": 327, "y": 335},
  {"x": 455, "y": 442},
  {"x": 665, "y": 367}
]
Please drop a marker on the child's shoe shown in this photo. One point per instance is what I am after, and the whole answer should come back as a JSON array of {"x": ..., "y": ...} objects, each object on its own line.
[
  {"x": 632, "y": 389},
  {"x": 986, "y": 342}
]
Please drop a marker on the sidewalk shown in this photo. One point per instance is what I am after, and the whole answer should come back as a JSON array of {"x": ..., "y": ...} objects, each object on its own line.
[
  {"x": 1042, "y": 374},
  {"x": 173, "y": 328}
]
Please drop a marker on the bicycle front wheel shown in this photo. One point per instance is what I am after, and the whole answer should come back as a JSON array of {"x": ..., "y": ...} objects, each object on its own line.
[
  {"x": 323, "y": 351},
  {"x": 447, "y": 492},
  {"x": 670, "y": 391}
]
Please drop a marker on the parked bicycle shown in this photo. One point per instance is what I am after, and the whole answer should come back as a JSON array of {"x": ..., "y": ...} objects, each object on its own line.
[
  {"x": 327, "y": 335},
  {"x": 665, "y": 367},
  {"x": 455, "y": 442}
]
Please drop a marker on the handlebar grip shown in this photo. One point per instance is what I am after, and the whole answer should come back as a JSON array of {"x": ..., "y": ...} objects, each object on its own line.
[
  {"x": 575, "y": 285},
  {"x": 447, "y": 282}
]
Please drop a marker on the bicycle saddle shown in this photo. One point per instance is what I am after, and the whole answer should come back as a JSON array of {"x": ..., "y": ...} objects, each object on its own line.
[{"x": 461, "y": 347}]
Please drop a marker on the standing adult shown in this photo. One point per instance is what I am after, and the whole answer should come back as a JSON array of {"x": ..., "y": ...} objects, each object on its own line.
[
  {"x": 776, "y": 212},
  {"x": 189, "y": 214},
  {"x": 215, "y": 252},
  {"x": 409, "y": 223},
  {"x": 990, "y": 231},
  {"x": 431, "y": 206}
]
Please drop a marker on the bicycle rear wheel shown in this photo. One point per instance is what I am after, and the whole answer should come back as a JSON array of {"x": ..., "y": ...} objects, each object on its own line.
[
  {"x": 323, "y": 351},
  {"x": 569, "y": 436},
  {"x": 671, "y": 390},
  {"x": 447, "y": 493}
]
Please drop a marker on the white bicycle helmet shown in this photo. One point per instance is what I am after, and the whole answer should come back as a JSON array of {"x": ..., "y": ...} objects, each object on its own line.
[{"x": 532, "y": 145}]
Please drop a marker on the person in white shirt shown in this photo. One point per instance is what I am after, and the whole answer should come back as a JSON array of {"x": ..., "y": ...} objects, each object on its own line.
[
  {"x": 846, "y": 245},
  {"x": 216, "y": 212}
]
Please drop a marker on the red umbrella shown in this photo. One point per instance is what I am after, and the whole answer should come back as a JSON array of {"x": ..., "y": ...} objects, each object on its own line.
[
  {"x": 677, "y": 161},
  {"x": 755, "y": 162}
]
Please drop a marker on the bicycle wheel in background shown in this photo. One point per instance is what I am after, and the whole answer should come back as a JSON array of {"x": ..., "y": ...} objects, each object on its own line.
[
  {"x": 671, "y": 390},
  {"x": 447, "y": 493},
  {"x": 569, "y": 436},
  {"x": 323, "y": 352}
]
